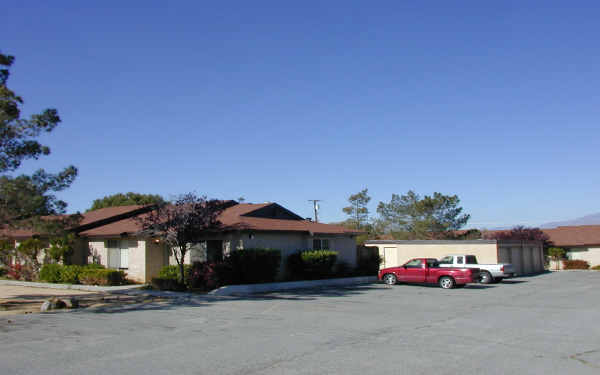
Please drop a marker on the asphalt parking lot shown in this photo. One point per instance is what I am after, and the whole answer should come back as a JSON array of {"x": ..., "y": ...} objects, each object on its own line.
[{"x": 544, "y": 324}]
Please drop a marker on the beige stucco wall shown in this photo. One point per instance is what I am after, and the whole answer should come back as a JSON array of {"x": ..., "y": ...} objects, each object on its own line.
[
  {"x": 485, "y": 252},
  {"x": 589, "y": 254}
]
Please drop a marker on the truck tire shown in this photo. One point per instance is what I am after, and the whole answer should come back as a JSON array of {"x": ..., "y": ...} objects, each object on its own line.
[
  {"x": 497, "y": 280},
  {"x": 485, "y": 277},
  {"x": 390, "y": 279},
  {"x": 446, "y": 282}
]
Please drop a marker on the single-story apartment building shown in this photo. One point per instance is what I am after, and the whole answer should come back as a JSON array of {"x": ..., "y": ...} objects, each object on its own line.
[
  {"x": 580, "y": 241},
  {"x": 526, "y": 257},
  {"x": 114, "y": 237}
]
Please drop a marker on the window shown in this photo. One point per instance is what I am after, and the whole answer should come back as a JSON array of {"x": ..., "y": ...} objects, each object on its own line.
[
  {"x": 415, "y": 263},
  {"x": 446, "y": 260},
  {"x": 118, "y": 253},
  {"x": 460, "y": 260},
  {"x": 320, "y": 244},
  {"x": 471, "y": 259}
]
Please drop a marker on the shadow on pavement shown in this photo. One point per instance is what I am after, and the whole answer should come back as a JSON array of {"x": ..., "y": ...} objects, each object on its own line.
[{"x": 200, "y": 300}]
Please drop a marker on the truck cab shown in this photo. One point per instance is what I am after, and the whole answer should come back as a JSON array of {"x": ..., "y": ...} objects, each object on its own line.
[
  {"x": 489, "y": 273},
  {"x": 427, "y": 270}
]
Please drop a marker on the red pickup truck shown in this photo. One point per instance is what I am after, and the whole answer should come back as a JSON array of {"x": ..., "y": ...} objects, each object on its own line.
[{"x": 427, "y": 270}]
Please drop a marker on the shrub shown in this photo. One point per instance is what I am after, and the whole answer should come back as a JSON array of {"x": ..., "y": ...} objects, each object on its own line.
[
  {"x": 311, "y": 264},
  {"x": 3, "y": 271},
  {"x": 167, "y": 283},
  {"x": 102, "y": 277},
  {"x": 172, "y": 272},
  {"x": 318, "y": 264},
  {"x": 342, "y": 269},
  {"x": 70, "y": 274},
  {"x": 51, "y": 273},
  {"x": 596, "y": 268},
  {"x": 208, "y": 276},
  {"x": 15, "y": 271},
  {"x": 250, "y": 266},
  {"x": 294, "y": 267},
  {"x": 576, "y": 264},
  {"x": 94, "y": 266},
  {"x": 368, "y": 265}
]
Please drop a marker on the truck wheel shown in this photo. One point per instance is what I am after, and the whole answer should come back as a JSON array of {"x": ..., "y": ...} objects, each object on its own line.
[
  {"x": 446, "y": 282},
  {"x": 485, "y": 277},
  {"x": 389, "y": 279}
]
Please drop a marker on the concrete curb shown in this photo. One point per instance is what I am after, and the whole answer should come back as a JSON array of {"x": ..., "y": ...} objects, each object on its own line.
[
  {"x": 88, "y": 288},
  {"x": 230, "y": 290}
]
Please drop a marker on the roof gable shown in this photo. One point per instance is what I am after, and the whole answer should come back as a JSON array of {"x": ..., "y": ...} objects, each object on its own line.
[{"x": 273, "y": 211}]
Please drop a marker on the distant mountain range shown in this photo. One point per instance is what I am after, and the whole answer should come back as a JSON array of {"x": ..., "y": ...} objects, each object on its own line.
[{"x": 593, "y": 219}]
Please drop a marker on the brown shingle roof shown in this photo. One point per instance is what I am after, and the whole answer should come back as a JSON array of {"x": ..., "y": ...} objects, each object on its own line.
[
  {"x": 88, "y": 219},
  {"x": 231, "y": 217},
  {"x": 580, "y": 235},
  {"x": 108, "y": 212}
]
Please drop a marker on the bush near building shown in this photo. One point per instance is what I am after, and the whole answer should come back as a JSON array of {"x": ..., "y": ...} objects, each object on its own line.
[
  {"x": 91, "y": 274},
  {"x": 576, "y": 264},
  {"x": 248, "y": 266},
  {"x": 311, "y": 264}
]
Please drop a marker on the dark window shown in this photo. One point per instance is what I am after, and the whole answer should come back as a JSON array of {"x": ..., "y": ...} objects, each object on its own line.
[
  {"x": 471, "y": 259},
  {"x": 446, "y": 260},
  {"x": 320, "y": 244},
  {"x": 460, "y": 260}
]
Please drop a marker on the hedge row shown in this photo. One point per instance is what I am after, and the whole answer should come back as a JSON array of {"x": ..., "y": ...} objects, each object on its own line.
[
  {"x": 311, "y": 264},
  {"x": 248, "y": 266},
  {"x": 90, "y": 274},
  {"x": 576, "y": 264}
]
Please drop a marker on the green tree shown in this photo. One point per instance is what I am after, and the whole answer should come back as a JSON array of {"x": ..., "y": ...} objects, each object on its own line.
[
  {"x": 428, "y": 217},
  {"x": 126, "y": 199},
  {"x": 556, "y": 253},
  {"x": 183, "y": 223},
  {"x": 23, "y": 199},
  {"x": 62, "y": 247},
  {"x": 357, "y": 211}
]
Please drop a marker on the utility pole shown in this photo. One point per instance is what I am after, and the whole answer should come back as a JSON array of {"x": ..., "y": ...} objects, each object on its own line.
[{"x": 316, "y": 207}]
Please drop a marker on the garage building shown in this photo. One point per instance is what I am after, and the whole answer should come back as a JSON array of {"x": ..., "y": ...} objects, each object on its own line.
[{"x": 526, "y": 257}]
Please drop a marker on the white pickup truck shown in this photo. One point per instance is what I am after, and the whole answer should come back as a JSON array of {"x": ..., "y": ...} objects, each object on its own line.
[{"x": 488, "y": 272}]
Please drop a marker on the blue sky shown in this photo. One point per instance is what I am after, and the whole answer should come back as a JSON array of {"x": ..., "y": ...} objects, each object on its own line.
[{"x": 497, "y": 103}]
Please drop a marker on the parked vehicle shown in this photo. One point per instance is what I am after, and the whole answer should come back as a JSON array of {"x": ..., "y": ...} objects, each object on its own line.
[
  {"x": 427, "y": 270},
  {"x": 488, "y": 273}
]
